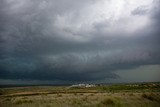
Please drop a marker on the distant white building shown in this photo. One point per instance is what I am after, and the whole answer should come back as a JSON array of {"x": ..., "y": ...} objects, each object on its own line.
[
  {"x": 90, "y": 85},
  {"x": 83, "y": 85}
]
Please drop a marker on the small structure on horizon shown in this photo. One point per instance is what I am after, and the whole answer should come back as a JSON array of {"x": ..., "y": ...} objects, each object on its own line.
[{"x": 83, "y": 85}]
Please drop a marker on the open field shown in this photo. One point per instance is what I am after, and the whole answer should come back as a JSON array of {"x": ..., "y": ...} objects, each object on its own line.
[{"x": 129, "y": 95}]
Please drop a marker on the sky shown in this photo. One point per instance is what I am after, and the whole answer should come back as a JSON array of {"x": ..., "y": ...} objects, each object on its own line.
[{"x": 75, "y": 41}]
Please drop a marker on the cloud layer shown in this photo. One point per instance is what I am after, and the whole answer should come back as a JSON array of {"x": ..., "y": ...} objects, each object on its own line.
[{"x": 72, "y": 40}]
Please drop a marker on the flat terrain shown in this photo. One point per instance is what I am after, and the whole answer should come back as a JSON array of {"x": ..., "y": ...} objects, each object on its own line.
[{"x": 128, "y": 95}]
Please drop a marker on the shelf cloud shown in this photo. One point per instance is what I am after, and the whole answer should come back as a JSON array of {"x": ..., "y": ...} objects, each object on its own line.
[{"x": 77, "y": 41}]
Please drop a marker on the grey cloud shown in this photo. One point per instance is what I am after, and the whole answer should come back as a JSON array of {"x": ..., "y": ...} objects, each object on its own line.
[
  {"x": 34, "y": 46},
  {"x": 142, "y": 10}
]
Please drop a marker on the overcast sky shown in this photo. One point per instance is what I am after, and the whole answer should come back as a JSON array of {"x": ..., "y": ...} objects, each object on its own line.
[{"x": 70, "y": 41}]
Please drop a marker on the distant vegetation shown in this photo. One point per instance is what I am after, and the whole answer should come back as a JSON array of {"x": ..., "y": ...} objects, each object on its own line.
[{"x": 124, "y": 95}]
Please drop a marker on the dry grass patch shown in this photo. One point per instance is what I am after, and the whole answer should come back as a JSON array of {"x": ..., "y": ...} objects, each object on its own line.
[
  {"x": 151, "y": 96},
  {"x": 108, "y": 101},
  {"x": 22, "y": 101}
]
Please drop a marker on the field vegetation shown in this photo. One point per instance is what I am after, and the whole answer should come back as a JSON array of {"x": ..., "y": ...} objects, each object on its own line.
[{"x": 124, "y": 95}]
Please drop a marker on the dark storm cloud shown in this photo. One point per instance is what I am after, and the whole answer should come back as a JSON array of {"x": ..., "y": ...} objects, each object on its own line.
[{"x": 44, "y": 40}]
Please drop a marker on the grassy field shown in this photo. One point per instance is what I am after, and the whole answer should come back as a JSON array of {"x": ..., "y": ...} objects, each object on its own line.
[{"x": 124, "y": 95}]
